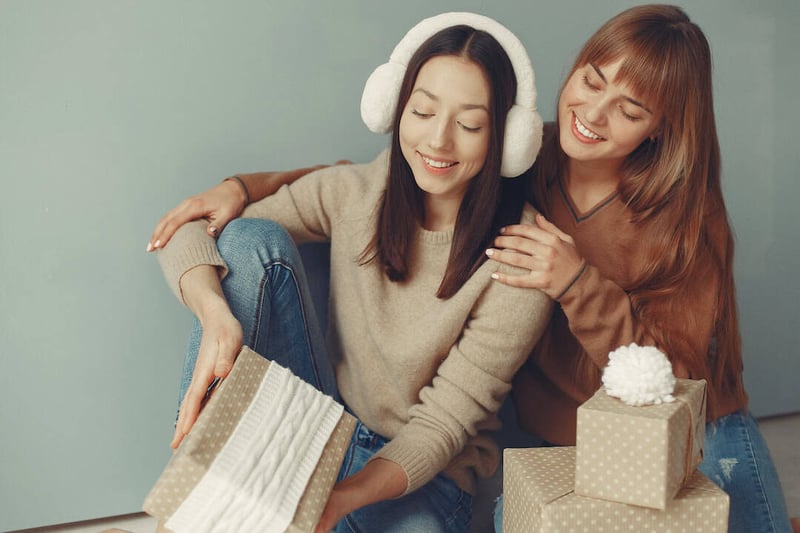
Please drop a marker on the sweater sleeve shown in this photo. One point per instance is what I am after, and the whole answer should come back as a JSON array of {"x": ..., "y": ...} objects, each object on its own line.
[
  {"x": 471, "y": 381},
  {"x": 190, "y": 247},
  {"x": 304, "y": 208},
  {"x": 602, "y": 317},
  {"x": 308, "y": 207}
]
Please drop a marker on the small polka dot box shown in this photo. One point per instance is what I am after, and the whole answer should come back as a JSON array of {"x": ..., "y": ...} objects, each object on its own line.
[
  {"x": 539, "y": 497},
  {"x": 263, "y": 456},
  {"x": 640, "y": 454}
]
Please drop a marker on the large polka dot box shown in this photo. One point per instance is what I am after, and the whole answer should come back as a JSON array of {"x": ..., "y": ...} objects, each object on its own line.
[
  {"x": 263, "y": 456},
  {"x": 539, "y": 496}
]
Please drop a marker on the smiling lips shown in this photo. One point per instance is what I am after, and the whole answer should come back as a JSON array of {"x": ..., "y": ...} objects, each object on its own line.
[
  {"x": 438, "y": 165},
  {"x": 584, "y": 131}
]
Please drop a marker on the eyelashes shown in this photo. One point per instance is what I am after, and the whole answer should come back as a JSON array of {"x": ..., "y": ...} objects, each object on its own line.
[
  {"x": 596, "y": 88},
  {"x": 462, "y": 125}
]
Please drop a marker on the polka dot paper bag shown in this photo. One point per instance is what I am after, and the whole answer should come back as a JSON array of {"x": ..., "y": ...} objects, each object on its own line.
[
  {"x": 263, "y": 456},
  {"x": 539, "y": 497},
  {"x": 640, "y": 455}
]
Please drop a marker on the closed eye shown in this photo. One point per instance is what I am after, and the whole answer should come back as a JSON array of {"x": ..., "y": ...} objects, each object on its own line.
[
  {"x": 421, "y": 114},
  {"x": 632, "y": 118},
  {"x": 589, "y": 84},
  {"x": 470, "y": 129}
]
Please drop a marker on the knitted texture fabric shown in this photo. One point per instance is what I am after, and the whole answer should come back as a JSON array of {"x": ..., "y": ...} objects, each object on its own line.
[{"x": 257, "y": 479}]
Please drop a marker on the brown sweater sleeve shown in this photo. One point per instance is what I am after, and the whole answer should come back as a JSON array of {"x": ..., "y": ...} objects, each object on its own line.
[{"x": 602, "y": 317}]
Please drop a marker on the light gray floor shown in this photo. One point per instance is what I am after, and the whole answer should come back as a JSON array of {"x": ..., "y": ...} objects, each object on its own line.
[{"x": 782, "y": 435}]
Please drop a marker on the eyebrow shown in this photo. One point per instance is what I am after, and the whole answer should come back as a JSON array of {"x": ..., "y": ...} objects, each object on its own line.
[
  {"x": 628, "y": 98},
  {"x": 466, "y": 107}
]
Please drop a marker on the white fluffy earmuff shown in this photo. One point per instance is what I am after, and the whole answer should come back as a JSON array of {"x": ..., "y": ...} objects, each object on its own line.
[{"x": 523, "y": 135}]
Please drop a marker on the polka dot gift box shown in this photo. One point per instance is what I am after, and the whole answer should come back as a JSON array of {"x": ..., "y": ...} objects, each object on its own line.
[
  {"x": 263, "y": 456},
  {"x": 637, "y": 453},
  {"x": 539, "y": 496}
]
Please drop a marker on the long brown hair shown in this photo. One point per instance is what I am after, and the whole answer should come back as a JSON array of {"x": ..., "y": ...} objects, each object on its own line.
[
  {"x": 490, "y": 201},
  {"x": 671, "y": 184}
]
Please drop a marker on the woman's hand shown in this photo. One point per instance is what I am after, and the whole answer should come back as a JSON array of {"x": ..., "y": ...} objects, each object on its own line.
[
  {"x": 219, "y": 345},
  {"x": 379, "y": 480},
  {"x": 219, "y": 205},
  {"x": 547, "y": 253}
]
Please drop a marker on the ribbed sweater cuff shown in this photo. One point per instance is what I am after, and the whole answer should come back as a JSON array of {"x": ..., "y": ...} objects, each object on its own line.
[
  {"x": 182, "y": 254},
  {"x": 419, "y": 465}
]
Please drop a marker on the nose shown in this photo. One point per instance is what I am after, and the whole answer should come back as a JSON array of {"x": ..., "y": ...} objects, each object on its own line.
[
  {"x": 595, "y": 110},
  {"x": 441, "y": 135}
]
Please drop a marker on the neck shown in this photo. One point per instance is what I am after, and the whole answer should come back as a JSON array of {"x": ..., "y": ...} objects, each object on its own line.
[
  {"x": 599, "y": 171},
  {"x": 590, "y": 182},
  {"x": 440, "y": 213}
]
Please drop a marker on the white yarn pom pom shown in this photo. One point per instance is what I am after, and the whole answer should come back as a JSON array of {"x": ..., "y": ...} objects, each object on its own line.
[{"x": 639, "y": 375}]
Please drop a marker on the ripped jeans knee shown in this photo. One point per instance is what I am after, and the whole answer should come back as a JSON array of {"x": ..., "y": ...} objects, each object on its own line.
[{"x": 737, "y": 458}]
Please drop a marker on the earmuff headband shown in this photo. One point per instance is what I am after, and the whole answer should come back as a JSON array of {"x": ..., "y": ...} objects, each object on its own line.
[{"x": 523, "y": 135}]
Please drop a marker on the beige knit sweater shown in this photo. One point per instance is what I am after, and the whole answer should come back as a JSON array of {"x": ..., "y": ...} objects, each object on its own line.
[{"x": 427, "y": 373}]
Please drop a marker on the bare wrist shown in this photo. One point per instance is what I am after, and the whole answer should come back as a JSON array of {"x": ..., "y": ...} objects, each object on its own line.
[{"x": 242, "y": 186}]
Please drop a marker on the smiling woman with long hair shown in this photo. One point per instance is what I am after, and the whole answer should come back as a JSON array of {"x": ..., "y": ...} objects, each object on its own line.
[
  {"x": 423, "y": 345},
  {"x": 635, "y": 246}
]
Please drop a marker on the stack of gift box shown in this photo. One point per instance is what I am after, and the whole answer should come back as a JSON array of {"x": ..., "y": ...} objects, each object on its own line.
[{"x": 633, "y": 468}]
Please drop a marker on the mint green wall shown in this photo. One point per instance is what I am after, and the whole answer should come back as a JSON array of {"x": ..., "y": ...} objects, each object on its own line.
[{"x": 113, "y": 110}]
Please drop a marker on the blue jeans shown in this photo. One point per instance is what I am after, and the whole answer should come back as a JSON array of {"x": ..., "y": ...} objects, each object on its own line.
[
  {"x": 737, "y": 459},
  {"x": 268, "y": 293}
]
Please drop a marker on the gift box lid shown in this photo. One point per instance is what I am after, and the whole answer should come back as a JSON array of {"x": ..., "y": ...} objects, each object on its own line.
[{"x": 687, "y": 392}]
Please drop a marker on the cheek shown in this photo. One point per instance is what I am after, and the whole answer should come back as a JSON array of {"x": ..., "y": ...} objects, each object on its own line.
[
  {"x": 570, "y": 91},
  {"x": 633, "y": 137},
  {"x": 477, "y": 148},
  {"x": 405, "y": 135}
]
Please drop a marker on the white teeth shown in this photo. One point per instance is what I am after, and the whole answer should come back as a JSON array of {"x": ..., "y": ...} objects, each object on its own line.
[
  {"x": 436, "y": 164},
  {"x": 584, "y": 131}
]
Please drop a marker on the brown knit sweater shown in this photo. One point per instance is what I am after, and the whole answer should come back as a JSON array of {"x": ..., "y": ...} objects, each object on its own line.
[
  {"x": 429, "y": 374},
  {"x": 595, "y": 316}
]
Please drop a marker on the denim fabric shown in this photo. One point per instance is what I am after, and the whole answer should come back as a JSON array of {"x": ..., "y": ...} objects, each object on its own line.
[
  {"x": 498, "y": 515},
  {"x": 438, "y": 506},
  {"x": 737, "y": 459},
  {"x": 267, "y": 291}
]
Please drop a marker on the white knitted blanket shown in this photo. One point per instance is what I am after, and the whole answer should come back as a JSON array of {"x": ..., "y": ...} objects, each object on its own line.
[{"x": 257, "y": 479}]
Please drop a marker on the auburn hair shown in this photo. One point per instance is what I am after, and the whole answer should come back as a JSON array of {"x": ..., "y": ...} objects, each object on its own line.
[
  {"x": 490, "y": 201},
  {"x": 670, "y": 183}
]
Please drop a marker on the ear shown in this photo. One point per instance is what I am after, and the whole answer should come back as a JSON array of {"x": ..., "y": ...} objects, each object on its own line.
[{"x": 657, "y": 132}]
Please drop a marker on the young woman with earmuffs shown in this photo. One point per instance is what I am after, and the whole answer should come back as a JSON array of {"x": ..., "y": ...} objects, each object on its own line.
[{"x": 423, "y": 343}]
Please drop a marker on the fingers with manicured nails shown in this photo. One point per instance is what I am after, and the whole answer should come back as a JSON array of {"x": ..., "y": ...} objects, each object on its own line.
[
  {"x": 190, "y": 408},
  {"x": 169, "y": 224},
  {"x": 219, "y": 219},
  {"x": 513, "y": 258},
  {"x": 524, "y": 245},
  {"x": 219, "y": 204},
  {"x": 517, "y": 280}
]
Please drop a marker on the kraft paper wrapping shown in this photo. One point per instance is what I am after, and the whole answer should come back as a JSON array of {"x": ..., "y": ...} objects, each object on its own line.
[
  {"x": 640, "y": 455},
  {"x": 213, "y": 428},
  {"x": 539, "y": 497}
]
